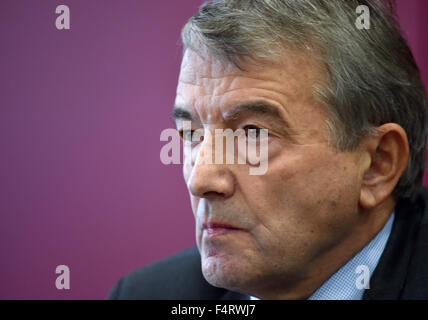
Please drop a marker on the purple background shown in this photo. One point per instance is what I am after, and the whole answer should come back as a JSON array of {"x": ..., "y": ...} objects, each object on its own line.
[{"x": 81, "y": 112}]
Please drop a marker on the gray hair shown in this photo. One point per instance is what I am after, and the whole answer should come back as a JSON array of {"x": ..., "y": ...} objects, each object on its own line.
[{"x": 371, "y": 76}]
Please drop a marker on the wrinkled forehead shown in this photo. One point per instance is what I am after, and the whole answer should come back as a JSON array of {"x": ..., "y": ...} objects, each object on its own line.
[
  {"x": 295, "y": 65},
  {"x": 208, "y": 86},
  {"x": 205, "y": 65}
]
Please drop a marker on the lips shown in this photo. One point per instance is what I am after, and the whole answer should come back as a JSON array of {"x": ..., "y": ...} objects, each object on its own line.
[{"x": 212, "y": 229}]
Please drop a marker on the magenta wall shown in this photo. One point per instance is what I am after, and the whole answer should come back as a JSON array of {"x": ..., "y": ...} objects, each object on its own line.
[{"x": 81, "y": 113}]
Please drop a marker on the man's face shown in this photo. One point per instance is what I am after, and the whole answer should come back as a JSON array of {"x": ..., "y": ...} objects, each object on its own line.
[{"x": 259, "y": 232}]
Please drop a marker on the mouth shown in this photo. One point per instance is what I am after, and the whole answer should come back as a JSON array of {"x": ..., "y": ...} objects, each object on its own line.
[{"x": 216, "y": 229}]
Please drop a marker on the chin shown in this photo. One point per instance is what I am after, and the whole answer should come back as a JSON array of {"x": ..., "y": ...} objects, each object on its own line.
[{"x": 226, "y": 272}]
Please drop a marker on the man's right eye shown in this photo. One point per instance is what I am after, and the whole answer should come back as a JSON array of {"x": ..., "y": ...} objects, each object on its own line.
[{"x": 187, "y": 135}]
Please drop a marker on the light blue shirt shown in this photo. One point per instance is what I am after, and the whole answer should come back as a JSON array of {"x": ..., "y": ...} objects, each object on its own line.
[{"x": 348, "y": 282}]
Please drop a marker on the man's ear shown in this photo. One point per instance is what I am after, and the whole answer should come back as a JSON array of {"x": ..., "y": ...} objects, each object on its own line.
[{"x": 385, "y": 157}]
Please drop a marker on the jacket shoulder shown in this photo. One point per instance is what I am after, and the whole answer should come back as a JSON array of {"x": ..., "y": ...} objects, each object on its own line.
[{"x": 176, "y": 277}]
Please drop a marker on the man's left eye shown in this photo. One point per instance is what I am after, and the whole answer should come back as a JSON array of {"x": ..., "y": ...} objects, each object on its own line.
[{"x": 253, "y": 132}]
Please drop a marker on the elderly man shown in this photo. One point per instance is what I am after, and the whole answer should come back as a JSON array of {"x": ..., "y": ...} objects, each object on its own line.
[{"x": 339, "y": 212}]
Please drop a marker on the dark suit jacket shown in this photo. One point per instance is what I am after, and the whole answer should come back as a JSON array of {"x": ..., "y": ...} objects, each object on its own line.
[{"x": 402, "y": 271}]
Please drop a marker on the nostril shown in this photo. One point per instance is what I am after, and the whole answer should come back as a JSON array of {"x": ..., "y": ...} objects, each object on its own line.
[{"x": 213, "y": 194}]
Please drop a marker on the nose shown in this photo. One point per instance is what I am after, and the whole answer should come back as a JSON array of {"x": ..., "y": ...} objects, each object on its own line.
[{"x": 210, "y": 180}]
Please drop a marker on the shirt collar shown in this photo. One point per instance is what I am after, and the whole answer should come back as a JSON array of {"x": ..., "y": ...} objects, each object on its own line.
[{"x": 346, "y": 284}]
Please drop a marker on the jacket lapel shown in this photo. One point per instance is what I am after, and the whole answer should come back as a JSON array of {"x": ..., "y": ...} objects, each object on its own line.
[{"x": 389, "y": 277}]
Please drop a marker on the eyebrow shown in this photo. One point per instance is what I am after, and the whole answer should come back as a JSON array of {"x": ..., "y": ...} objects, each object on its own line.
[
  {"x": 181, "y": 113},
  {"x": 257, "y": 107},
  {"x": 261, "y": 108}
]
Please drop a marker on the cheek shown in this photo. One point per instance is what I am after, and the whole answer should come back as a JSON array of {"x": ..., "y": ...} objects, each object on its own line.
[
  {"x": 315, "y": 174},
  {"x": 305, "y": 196}
]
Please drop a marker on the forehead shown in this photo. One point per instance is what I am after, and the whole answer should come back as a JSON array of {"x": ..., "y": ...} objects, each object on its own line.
[
  {"x": 198, "y": 69},
  {"x": 208, "y": 84},
  {"x": 195, "y": 65},
  {"x": 293, "y": 62}
]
